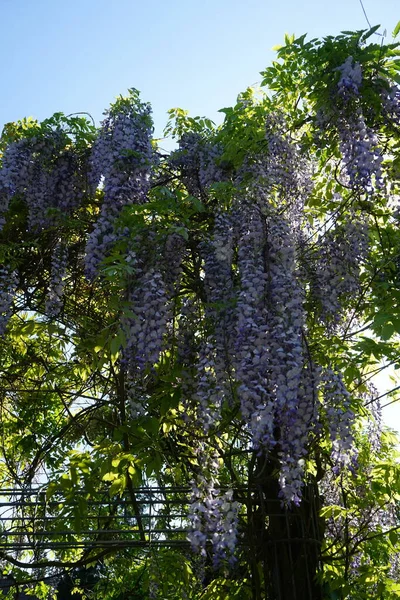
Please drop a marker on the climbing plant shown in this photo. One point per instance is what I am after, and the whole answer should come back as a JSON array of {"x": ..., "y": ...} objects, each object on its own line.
[{"x": 208, "y": 320}]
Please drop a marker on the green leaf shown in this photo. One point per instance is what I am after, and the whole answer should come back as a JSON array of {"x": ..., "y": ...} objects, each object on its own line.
[
  {"x": 387, "y": 331},
  {"x": 109, "y": 476},
  {"x": 334, "y": 511},
  {"x": 118, "y": 486},
  {"x": 394, "y": 537}
]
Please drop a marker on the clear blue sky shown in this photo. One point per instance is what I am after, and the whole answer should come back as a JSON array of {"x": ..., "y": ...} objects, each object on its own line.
[{"x": 78, "y": 55}]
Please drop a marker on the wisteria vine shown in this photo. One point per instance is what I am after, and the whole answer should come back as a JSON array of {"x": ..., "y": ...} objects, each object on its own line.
[{"x": 225, "y": 293}]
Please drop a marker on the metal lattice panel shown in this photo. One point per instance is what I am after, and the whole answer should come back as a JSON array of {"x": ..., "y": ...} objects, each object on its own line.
[
  {"x": 148, "y": 516},
  {"x": 60, "y": 532}
]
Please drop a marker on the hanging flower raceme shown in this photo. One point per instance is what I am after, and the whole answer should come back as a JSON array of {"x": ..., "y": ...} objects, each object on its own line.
[
  {"x": 173, "y": 254},
  {"x": 40, "y": 193},
  {"x": 350, "y": 78},
  {"x": 213, "y": 515},
  {"x": 375, "y": 423},
  {"x": 221, "y": 296},
  {"x": 340, "y": 254},
  {"x": 360, "y": 151},
  {"x": 15, "y": 173},
  {"x": 252, "y": 354},
  {"x": 391, "y": 104},
  {"x": 8, "y": 285},
  {"x": 339, "y": 418},
  {"x": 296, "y": 428},
  {"x": 46, "y": 174},
  {"x": 70, "y": 186},
  {"x": 4, "y": 200},
  {"x": 209, "y": 395},
  {"x": 146, "y": 329},
  {"x": 286, "y": 170},
  {"x": 123, "y": 156},
  {"x": 359, "y": 144},
  {"x": 54, "y": 300},
  {"x": 291, "y": 377},
  {"x": 197, "y": 159},
  {"x": 57, "y": 181}
]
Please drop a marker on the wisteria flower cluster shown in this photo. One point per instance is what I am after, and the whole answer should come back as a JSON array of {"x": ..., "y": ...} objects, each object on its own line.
[
  {"x": 293, "y": 184},
  {"x": 173, "y": 254},
  {"x": 391, "y": 104},
  {"x": 54, "y": 298},
  {"x": 198, "y": 161},
  {"x": 221, "y": 297},
  {"x": 8, "y": 285},
  {"x": 350, "y": 77},
  {"x": 252, "y": 350},
  {"x": 14, "y": 172},
  {"x": 292, "y": 376},
  {"x": 47, "y": 174},
  {"x": 341, "y": 252},
  {"x": 339, "y": 418},
  {"x": 359, "y": 144},
  {"x": 122, "y": 157},
  {"x": 361, "y": 154},
  {"x": 213, "y": 515},
  {"x": 146, "y": 329},
  {"x": 208, "y": 395}
]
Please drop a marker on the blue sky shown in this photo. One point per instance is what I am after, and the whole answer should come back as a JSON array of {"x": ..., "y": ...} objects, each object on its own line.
[
  {"x": 60, "y": 56},
  {"x": 79, "y": 55}
]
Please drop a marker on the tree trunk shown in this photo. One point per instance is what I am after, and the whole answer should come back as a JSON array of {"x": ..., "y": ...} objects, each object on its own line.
[{"x": 286, "y": 542}]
